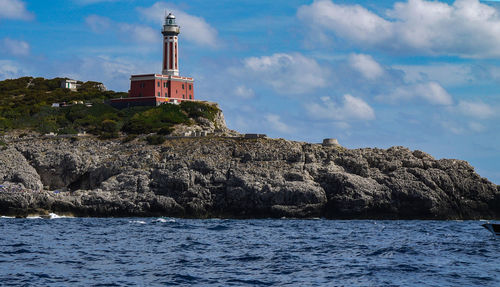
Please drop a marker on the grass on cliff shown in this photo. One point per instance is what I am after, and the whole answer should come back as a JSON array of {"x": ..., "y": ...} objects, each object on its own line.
[{"x": 25, "y": 103}]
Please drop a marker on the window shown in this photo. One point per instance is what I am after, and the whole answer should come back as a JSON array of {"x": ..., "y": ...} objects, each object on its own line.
[
  {"x": 140, "y": 94},
  {"x": 165, "y": 85},
  {"x": 190, "y": 87},
  {"x": 183, "y": 86},
  {"x": 166, "y": 96},
  {"x": 176, "y": 92},
  {"x": 190, "y": 97},
  {"x": 159, "y": 94},
  {"x": 142, "y": 85},
  {"x": 183, "y": 96},
  {"x": 158, "y": 84}
]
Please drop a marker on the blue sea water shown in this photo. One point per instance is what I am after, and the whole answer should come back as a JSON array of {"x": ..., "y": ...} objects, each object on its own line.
[{"x": 219, "y": 252}]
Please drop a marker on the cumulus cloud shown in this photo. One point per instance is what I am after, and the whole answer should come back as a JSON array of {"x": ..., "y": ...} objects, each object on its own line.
[
  {"x": 134, "y": 32},
  {"x": 351, "y": 108},
  {"x": 444, "y": 73},
  {"x": 194, "y": 29},
  {"x": 140, "y": 33},
  {"x": 466, "y": 28},
  {"x": 244, "y": 92},
  {"x": 476, "y": 127},
  {"x": 478, "y": 110},
  {"x": 89, "y": 2},
  {"x": 9, "y": 69},
  {"x": 453, "y": 127},
  {"x": 366, "y": 65},
  {"x": 460, "y": 128},
  {"x": 287, "y": 73},
  {"x": 98, "y": 23},
  {"x": 114, "y": 72},
  {"x": 277, "y": 124},
  {"x": 431, "y": 92},
  {"x": 14, "y": 9},
  {"x": 14, "y": 47}
]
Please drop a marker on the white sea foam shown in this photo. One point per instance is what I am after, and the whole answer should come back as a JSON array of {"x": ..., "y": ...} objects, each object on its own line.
[
  {"x": 164, "y": 220},
  {"x": 137, "y": 222},
  {"x": 6, "y": 216},
  {"x": 56, "y": 216},
  {"x": 34, "y": 217}
]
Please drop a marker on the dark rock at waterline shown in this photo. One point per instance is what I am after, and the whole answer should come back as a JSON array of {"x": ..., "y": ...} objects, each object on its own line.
[{"x": 235, "y": 177}]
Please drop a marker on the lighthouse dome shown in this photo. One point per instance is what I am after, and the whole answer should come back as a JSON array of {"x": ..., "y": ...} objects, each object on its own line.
[{"x": 170, "y": 16}]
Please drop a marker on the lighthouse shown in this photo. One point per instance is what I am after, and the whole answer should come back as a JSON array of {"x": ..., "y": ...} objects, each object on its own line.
[
  {"x": 167, "y": 87},
  {"x": 170, "y": 46}
]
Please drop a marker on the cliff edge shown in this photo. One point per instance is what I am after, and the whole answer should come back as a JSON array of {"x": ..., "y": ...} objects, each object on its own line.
[{"x": 217, "y": 176}]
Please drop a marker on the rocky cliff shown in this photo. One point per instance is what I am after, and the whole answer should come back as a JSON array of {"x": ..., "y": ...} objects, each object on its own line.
[{"x": 235, "y": 177}]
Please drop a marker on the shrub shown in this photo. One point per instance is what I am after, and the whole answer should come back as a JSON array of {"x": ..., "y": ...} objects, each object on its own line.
[
  {"x": 198, "y": 109},
  {"x": 165, "y": 131},
  {"x": 129, "y": 138},
  {"x": 109, "y": 126},
  {"x": 155, "y": 119},
  {"x": 108, "y": 135},
  {"x": 155, "y": 139},
  {"x": 25, "y": 103},
  {"x": 67, "y": 131}
]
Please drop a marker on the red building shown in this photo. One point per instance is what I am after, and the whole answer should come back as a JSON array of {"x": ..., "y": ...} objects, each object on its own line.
[{"x": 167, "y": 87}]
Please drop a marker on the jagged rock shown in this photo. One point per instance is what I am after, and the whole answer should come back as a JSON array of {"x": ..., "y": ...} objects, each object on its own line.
[
  {"x": 235, "y": 177},
  {"x": 15, "y": 169}
]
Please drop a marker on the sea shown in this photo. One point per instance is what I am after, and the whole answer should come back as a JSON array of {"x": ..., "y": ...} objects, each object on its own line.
[{"x": 266, "y": 252}]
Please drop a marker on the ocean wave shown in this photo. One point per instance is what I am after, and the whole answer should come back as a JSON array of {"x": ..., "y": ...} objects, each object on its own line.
[
  {"x": 164, "y": 220},
  {"x": 56, "y": 216}
]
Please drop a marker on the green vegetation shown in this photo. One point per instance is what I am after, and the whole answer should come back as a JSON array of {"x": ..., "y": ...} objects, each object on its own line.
[
  {"x": 155, "y": 139},
  {"x": 195, "y": 109},
  {"x": 26, "y": 103}
]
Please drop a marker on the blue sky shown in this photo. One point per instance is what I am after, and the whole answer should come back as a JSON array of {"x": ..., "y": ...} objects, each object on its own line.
[{"x": 421, "y": 74}]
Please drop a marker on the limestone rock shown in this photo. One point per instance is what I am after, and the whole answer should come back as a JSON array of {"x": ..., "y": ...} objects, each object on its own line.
[{"x": 236, "y": 177}]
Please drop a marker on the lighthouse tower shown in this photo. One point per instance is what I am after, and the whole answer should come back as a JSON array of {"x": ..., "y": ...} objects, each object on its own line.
[
  {"x": 170, "y": 46},
  {"x": 167, "y": 87}
]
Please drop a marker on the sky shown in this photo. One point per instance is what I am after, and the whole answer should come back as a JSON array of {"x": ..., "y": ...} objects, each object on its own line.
[{"x": 414, "y": 73}]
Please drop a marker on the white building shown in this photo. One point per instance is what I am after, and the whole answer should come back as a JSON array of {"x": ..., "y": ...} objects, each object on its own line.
[{"x": 69, "y": 84}]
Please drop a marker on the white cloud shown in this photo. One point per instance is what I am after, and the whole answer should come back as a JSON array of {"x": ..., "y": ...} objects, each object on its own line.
[
  {"x": 135, "y": 32},
  {"x": 14, "y": 47},
  {"x": 431, "y": 92},
  {"x": 444, "y": 73},
  {"x": 453, "y": 128},
  {"x": 349, "y": 21},
  {"x": 366, "y": 65},
  {"x": 14, "y": 9},
  {"x": 9, "y": 70},
  {"x": 277, "y": 124},
  {"x": 114, "y": 72},
  {"x": 460, "y": 128},
  {"x": 465, "y": 28},
  {"x": 352, "y": 108},
  {"x": 89, "y": 2},
  {"x": 98, "y": 24},
  {"x": 287, "y": 73},
  {"x": 244, "y": 92},
  {"x": 140, "y": 33},
  {"x": 194, "y": 29},
  {"x": 478, "y": 110},
  {"x": 476, "y": 127}
]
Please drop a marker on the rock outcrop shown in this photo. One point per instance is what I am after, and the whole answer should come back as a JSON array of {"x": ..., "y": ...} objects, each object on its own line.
[{"x": 236, "y": 177}]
